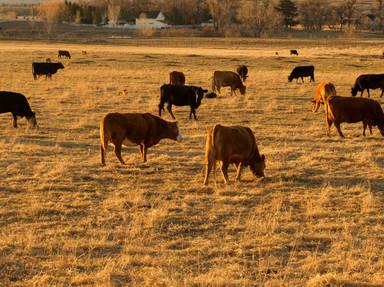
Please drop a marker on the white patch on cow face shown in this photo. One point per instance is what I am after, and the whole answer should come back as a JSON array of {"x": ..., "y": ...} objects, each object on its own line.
[
  {"x": 127, "y": 142},
  {"x": 179, "y": 137}
]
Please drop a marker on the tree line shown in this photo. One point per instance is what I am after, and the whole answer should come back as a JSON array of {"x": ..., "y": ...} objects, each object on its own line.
[{"x": 243, "y": 17}]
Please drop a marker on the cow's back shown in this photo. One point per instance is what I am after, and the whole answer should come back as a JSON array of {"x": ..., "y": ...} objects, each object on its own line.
[
  {"x": 14, "y": 102},
  {"x": 227, "y": 78},
  {"x": 352, "y": 110},
  {"x": 132, "y": 126},
  {"x": 232, "y": 143}
]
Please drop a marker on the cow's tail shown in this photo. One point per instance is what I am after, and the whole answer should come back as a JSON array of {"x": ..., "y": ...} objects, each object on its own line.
[
  {"x": 380, "y": 119},
  {"x": 162, "y": 97},
  {"x": 210, "y": 154},
  {"x": 103, "y": 142}
]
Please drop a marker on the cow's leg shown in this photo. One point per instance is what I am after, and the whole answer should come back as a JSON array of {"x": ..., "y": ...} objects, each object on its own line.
[
  {"x": 161, "y": 107},
  {"x": 329, "y": 125},
  {"x": 370, "y": 128},
  {"x": 118, "y": 152},
  {"x": 224, "y": 171},
  {"x": 143, "y": 150},
  {"x": 208, "y": 167},
  {"x": 193, "y": 111},
  {"x": 302, "y": 79},
  {"x": 14, "y": 120},
  {"x": 368, "y": 93},
  {"x": 382, "y": 92},
  {"x": 337, "y": 125},
  {"x": 239, "y": 167},
  {"x": 364, "y": 127},
  {"x": 169, "y": 108}
]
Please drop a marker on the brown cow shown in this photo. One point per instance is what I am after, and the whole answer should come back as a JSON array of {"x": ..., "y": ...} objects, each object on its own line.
[
  {"x": 347, "y": 109},
  {"x": 145, "y": 130},
  {"x": 235, "y": 145},
  {"x": 63, "y": 54},
  {"x": 177, "y": 78},
  {"x": 227, "y": 79}
]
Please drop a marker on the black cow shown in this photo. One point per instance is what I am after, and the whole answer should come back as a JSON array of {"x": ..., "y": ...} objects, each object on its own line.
[
  {"x": 47, "y": 69},
  {"x": 368, "y": 81},
  {"x": 18, "y": 105},
  {"x": 63, "y": 54},
  {"x": 181, "y": 96},
  {"x": 294, "y": 52},
  {"x": 243, "y": 72},
  {"x": 301, "y": 72}
]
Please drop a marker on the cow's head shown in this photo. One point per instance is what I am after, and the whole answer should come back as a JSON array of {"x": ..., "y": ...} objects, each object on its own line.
[
  {"x": 354, "y": 91},
  {"x": 32, "y": 120},
  {"x": 257, "y": 165},
  {"x": 60, "y": 65},
  {"x": 290, "y": 78},
  {"x": 199, "y": 95},
  {"x": 174, "y": 131}
]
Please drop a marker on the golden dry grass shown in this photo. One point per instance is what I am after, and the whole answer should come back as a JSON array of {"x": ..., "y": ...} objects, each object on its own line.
[{"x": 316, "y": 220}]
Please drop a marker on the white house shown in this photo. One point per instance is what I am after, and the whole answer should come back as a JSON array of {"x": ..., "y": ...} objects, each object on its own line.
[{"x": 152, "y": 20}]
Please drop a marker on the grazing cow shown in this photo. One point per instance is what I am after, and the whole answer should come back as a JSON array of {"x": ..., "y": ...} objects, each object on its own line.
[
  {"x": 18, "y": 105},
  {"x": 277, "y": 53},
  {"x": 294, "y": 52},
  {"x": 227, "y": 79},
  {"x": 301, "y": 72},
  {"x": 243, "y": 72},
  {"x": 347, "y": 109},
  {"x": 181, "y": 96},
  {"x": 63, "y": 54},
  {"x": 236, "y": 145},
  {"x": 47, "y": 69},
  {"x": 84, "y": 52},
  {"x": 368, "y": 81},
  {"x": 177, "y": 78},
  {"x": 145, "y": 130}
]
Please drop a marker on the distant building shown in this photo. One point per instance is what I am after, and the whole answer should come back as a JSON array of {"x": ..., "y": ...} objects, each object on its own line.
[{"x": 152, "y": 20}]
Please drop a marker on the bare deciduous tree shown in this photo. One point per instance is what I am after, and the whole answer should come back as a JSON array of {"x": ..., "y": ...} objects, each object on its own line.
[
  {"x": 51, "y": 11},
  {"x": 350, "y": 10},
  {"x": 223, "y": 12},
  {"x": 314, "y": 14},
  {"x": 258, "y": 17},
  {"x": 380, "y": 16}
]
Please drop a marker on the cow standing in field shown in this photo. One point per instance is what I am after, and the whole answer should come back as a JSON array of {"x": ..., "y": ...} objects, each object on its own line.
[
  {"x": 366, "y": 82},
  {"x": 243, "y": 72},
  {"x": 347, "y": 109},
  {"x": 232, "y": 145},
  {"x": 177, "y": 78},
  {"x": 181, "y": 96},
  {"x": 47, "y": 69},
  {"x": 63, "y": 54},
  {"x": 227, "y": 79},
  {"x": 144, "y": 130},
  {"x": 294, "y": 52},
  {"x": 301, "y": 72},
  {"x": 18, "y": 105}
]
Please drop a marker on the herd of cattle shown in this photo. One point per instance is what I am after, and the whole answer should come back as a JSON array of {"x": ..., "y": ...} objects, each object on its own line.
[{"x": 229, "y": 145}]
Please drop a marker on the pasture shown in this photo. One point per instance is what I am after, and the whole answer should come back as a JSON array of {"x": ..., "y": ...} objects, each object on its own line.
[{"x": 317, "y": 219}]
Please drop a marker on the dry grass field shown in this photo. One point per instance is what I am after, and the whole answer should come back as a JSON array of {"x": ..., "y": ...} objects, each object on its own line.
[{"x": 317, "y": 219}]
